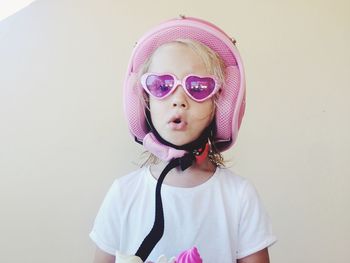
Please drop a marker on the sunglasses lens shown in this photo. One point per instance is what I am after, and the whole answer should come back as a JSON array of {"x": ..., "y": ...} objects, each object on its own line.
[
  {"x": 159, "y": 86},
  {"x": 200, "y": 88}
]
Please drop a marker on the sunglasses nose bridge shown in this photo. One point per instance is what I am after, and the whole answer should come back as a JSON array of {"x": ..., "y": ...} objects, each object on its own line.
[{"x": 176, "y": 84}]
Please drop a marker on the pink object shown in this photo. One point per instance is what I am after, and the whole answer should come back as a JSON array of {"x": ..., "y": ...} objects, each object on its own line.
[
  {"x": 231, "y": 103},
  {"x": 164, "y": 152},
  {"x": 189, "y": 256}
]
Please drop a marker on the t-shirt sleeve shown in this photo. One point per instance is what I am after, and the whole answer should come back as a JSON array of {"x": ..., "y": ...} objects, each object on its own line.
[
  {"x": 106, "y": 229},
  {"x": 254, "y": 231}
]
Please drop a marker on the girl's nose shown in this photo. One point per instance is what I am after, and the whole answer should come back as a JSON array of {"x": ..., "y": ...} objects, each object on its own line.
[{"x": 179, "y": 98}]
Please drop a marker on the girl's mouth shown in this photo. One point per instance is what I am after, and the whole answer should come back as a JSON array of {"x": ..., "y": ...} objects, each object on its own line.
[{"x": 177, "y": 123}]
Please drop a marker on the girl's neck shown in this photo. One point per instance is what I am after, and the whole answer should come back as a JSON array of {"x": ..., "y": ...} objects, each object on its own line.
[{"x": 191, "y": 177}]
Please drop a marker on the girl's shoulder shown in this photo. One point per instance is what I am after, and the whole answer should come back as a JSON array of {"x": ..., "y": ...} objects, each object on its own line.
[
  {"x": 236, "y": 184},
  {"x": 132, "y": 176},
  {"x": 228, "y": 176},
  {"x": 130, "y": 179},
  {"x": 128, "y": 185}
]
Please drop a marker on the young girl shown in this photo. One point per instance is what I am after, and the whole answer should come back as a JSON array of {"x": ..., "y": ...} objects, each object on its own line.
[{"x": 184, "y": 97}]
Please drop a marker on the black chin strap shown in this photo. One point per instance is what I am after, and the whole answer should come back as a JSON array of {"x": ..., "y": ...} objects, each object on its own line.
[
  {"x": 157, "y": 230},
  {"x": 184, "y": 162}
]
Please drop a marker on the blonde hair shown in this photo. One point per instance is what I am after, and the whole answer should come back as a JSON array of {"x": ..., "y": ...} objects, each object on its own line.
[{"x": 214, "y": 66}]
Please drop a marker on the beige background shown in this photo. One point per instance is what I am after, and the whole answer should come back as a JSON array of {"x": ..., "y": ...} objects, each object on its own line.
[{"x": 63, "y": 137}]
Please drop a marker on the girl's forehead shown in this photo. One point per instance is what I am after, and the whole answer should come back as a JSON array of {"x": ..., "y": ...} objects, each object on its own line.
[{"x": 177, "y": 58}]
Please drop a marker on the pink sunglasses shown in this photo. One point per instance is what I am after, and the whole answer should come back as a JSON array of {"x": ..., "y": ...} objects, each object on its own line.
[{"x": 198, "y": 88}]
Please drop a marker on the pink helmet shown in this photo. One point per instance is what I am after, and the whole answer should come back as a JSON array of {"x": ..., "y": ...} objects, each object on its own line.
[{"x": 231, "y": 103}]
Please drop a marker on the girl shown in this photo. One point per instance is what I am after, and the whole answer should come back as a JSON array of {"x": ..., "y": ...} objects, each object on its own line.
[{"x": 184, "y": 97}]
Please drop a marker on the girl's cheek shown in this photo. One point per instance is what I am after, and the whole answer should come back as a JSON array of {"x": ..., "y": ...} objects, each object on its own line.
[
  {"x": 204, "y": 112},
  {"x": 156, "y": 105}
]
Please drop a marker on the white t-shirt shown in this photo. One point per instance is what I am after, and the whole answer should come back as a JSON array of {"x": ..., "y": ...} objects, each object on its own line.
[{"x": 223, "y": 217}]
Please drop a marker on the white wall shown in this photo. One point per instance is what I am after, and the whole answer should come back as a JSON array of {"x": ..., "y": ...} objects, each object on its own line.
[
  {"x": 63, "y": 137},
  {"x": 10, "y": 7}
]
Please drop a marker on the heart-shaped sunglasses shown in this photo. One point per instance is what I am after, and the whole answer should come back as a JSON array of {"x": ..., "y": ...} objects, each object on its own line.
[{"x": 161, "y": 85}]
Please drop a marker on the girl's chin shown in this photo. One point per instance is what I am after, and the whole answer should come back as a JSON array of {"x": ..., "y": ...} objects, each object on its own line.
[
  {"x": 178, "y": 141},
  {"x": 178, "y": 138}
]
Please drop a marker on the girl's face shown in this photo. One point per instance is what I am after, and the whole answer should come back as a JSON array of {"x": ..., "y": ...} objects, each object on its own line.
[{"x": 177, "y": 118}]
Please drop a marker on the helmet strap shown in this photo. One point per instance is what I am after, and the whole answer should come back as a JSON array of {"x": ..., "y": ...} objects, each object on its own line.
[{"x": 196, "y": 150}]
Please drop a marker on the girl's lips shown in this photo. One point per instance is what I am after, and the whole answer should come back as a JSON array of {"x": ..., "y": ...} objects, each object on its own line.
[
  {"x": 177, "y": 123},
  {"x": 178, "y": 126}
]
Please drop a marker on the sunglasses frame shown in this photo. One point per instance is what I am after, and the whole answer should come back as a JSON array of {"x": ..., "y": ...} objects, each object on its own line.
[{"x": 178, "y": 82}]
